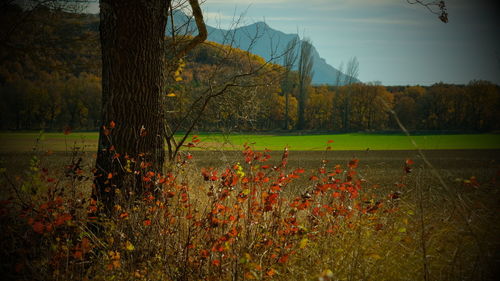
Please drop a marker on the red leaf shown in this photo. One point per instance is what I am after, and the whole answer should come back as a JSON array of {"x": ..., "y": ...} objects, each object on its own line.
[
  {"x": 112, "y": 124},
  {"x": 86, "y": 246},
  {"x": 67, "y": 130},
  {"x": 143, "y": 132},
  {"x": 62, "y": 219},
  {"x": 38, "y": 227},
  {"x": 275, "y": 188},
  {"x": 233, "y": 232},
  {"x": 353, "y": 163},
  {"x": 78, "y": 255},
  {"x": 283, "y": 259}
]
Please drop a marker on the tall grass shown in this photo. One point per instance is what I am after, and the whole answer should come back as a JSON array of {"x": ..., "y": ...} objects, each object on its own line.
[{"x": 256, "y": 219}]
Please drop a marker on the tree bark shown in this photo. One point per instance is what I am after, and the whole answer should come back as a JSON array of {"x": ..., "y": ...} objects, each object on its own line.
[
  {"x": 134, "y": 70},
  {"x": 133, "y": 74}
]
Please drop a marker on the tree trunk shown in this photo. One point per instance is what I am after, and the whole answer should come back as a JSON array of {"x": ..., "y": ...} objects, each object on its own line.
[
  {"x": 133, "y": 75},
  {"x": 286, "y": 110}
]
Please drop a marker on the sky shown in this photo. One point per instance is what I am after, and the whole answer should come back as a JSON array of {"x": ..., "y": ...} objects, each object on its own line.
[{"x": 396, "y": 43}]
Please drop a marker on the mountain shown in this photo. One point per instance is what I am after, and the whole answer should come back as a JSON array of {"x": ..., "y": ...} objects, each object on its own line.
[{"x": 260, "y": 39}]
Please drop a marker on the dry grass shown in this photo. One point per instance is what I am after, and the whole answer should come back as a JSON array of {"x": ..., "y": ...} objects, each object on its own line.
[{"x": 386, "y": 224}]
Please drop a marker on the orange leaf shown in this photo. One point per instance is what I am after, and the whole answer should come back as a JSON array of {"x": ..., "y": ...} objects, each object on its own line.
[
  {"x": 271, "y": 272},
  {"x": 112, "y": 124}
]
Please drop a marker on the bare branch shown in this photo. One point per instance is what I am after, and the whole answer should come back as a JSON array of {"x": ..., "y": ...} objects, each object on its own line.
[{"x": 436, "y": 7}]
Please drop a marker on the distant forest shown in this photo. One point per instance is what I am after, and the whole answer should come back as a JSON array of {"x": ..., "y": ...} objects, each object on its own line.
[{"x": 50, "y": 79}]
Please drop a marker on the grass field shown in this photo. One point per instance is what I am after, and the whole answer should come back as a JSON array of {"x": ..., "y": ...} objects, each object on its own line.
[
  {"x": 434, "y": 231},
  {"x": 457, "y": 226},
  {"x": 22, "y": 142}
]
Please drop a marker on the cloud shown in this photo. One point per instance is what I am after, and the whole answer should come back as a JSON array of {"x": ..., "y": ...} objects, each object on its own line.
[
  {"x": 388, "y": 21},
  {"x": 217, "y": 16},
  {"x": 329, "y": 2},
  {"x": 248, "y": 2}
]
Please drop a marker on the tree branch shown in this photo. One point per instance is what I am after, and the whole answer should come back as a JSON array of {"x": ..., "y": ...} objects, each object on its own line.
[
  {"x": 442, "y": 13},
  {"x": 202, "y": 29}
]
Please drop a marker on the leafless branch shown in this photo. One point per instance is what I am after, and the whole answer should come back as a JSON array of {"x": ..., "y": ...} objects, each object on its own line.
[{"x": 436, "y": 7}]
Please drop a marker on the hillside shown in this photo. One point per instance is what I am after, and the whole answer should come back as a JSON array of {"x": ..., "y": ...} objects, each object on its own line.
[
  {"x": 260, "y": 39},
  {"x": 50, "y": 76}
]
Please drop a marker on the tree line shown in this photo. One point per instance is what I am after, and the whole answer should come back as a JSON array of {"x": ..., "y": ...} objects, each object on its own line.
[
  {"x": 53, "y": 102},
  {"x": 371, "y": 107}
]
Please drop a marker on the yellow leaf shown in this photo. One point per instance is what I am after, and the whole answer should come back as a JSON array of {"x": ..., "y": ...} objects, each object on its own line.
[
  {"x": 129, "y": 246},
  {"x": 246, "y": 258},
  {"x": 327, "y": 273},
  {"x": 375, "y": 256},
  {"x": 303, "y": 243}
]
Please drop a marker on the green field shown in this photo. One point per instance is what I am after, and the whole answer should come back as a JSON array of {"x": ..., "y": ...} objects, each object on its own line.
[{"x": 19, "y": 142}]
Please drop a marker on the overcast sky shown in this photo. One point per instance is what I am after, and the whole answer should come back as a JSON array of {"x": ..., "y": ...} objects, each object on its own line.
[{"x": 395, "y": 42}]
